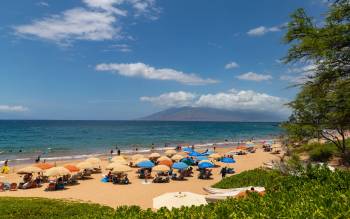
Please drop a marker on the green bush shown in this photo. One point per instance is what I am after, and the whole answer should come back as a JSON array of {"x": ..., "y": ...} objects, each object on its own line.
[
  {"x": 322, "y": 154},
  {"x": 316, "y": 193}
]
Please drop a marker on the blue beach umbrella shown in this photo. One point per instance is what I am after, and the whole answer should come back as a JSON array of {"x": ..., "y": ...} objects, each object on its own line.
[
  {"x": 187, "y": 161},
  {"x": 187, "y": 149},
  {"x": 194, "y": 154},
  {"x": 145, "y": 164},
  {"x": 180, "y": 166},
  {"x": 227, "y": 160},
  {"x": 205, "y": 164},
  {"x": 202, "y": 158}
]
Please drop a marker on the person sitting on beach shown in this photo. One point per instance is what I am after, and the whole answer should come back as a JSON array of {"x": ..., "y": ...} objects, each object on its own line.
[
  {"x": 38, "y": 180},
  {"x": 5, "y": 169},
  {"x": 109, "y": 176}
]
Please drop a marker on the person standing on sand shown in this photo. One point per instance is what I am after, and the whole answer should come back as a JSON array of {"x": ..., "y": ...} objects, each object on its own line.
[
  {"x": 118, "y": 152},
  {"x": 223, "y": 172}
]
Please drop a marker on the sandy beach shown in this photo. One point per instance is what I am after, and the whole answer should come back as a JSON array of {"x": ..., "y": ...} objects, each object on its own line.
[{"x": 136, "y": 193}]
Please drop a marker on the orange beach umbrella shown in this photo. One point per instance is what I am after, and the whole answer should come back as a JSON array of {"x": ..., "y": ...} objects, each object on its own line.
[
  {"x": 72, "y": 168},
  {"x": 44, "y": 166}
]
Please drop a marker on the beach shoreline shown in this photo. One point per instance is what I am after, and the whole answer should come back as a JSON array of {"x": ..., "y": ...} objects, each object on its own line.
[{"x": 93, "y": 190}]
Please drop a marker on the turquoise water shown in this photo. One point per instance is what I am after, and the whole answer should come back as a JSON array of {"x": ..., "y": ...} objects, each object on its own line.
[{"x": 24, "y": 140}]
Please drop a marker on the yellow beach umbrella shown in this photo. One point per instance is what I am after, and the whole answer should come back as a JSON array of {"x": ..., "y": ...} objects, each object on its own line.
[
  {"x": 215, "y": 156},
  {"x": 177, "y": 157},
  {"x": 161, "y": 168},
  {"x": 154, "y": 155},
  {"x": 57, "y": 171},
  {"x": 119, "y": 168},
  {"x": 85, "y": 165},
  {"x": 163, "y": 158},
  {"x": 29, "y": 169},
  {"x": 94, "y": 160},
  {"x": 170, "y": 152},
  {"x": 117, "y": 158},
  {"x": 124, "y": 162},
  {"x": 136, "y": 157}
]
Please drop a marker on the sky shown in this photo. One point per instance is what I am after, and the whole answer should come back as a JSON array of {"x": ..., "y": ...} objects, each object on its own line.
[{"x": 125, "y": 59}]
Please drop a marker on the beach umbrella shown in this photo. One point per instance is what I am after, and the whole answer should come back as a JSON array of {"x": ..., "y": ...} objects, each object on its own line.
[
  {"x": 163, "y": 158},
  {"x": 168, "y": 163},
  {"x": 44, "y": 166},
  {"x": 154, "y": 155},
  {"x": 141, "y": 160},
  {"x": 187, "y": 161},
  {"x": 227, "y": 160},
  {"x": 242, "y": 147},
  {"x": 85, "y": 165},
  {"x": 215, "y": 156},
  {"x": 72, "y": 168},
  {"x": 205, "y": 164},
  {"x": 178, "y": 199},
  {"x": 145, "y": 164},
  {"x": 188, "y": 149},
  {"x": 118, "y": 168},
  {"x": 170, "y": 152},
  {"x": 177, "y": 157},
  {"x": 124, "y": 162},
  {"x": 201, "y": 158},
  {"x": 94, "y": 160},
  {"x": 117, "y": 158},
  {"x": 179, "y": 165},
  {"x": 56, "y": 171},
  {"x": 136, "y": 157},
  {"x": 29, "y": 169},
  {"x": 194, "y": 154},
  {"x": 161, "y": 168}
]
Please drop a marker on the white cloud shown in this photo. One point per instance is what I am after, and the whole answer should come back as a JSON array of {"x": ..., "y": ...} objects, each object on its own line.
[
  {"x": 251, "y": 76},
  {"x": 106, "y": 5},
  {"x": 172, "y": 99},
  {"x": 122, "y": 47},
  {"x": 97, "y": 20},
  {"x": 231, "y": 65},
  {"x": 73, "y": 24},
  {"x": 8, "y": 108},
  {"x": 230, "y": 100},
  {"x": 262, "y": 30},
  {"x": 149, "y": 72},
  {"x": 43, "y": 4}
]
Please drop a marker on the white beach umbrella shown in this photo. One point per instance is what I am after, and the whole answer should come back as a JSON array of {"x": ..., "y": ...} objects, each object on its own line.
[
  {"x": 136, "y": 157},
  {"x": 85, "y": 165},
  {"x": 170, "y": 152},
  {"x": 178, "y": 199},
  {"x": 29, "y": 169},
  {"x": 161, "y": 168},
  {"x": 154, "y": 155},
  {"x": 57, "y": 171},
  {"x": 177, "y": 157}
]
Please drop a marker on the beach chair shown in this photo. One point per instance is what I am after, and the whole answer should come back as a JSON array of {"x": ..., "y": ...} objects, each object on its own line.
[{"x": 13, "y": 187}]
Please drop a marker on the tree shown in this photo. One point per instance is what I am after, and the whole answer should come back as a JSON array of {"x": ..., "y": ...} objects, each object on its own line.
[{"x": 322, "y": 107}]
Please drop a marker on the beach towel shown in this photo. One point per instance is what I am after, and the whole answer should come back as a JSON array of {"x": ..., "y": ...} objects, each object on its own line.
[{"x": 104, "y": 180}]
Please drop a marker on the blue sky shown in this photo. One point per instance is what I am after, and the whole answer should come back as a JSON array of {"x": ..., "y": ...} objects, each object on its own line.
[{"x": 124, "y": 59}]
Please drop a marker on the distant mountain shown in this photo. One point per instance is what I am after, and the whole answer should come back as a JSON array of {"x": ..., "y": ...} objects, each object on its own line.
[{"x": 210, "y": 114}]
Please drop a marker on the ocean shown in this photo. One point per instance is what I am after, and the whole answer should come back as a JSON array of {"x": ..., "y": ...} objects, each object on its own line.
[{"x": 24, "y": 140}]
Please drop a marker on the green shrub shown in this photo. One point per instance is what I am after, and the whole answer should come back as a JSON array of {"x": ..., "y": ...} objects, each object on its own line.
[{"x": 322, "y": 154}]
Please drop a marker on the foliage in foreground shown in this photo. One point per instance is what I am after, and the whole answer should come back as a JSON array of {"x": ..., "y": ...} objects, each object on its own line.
[{"x": 316, "y": 193}]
